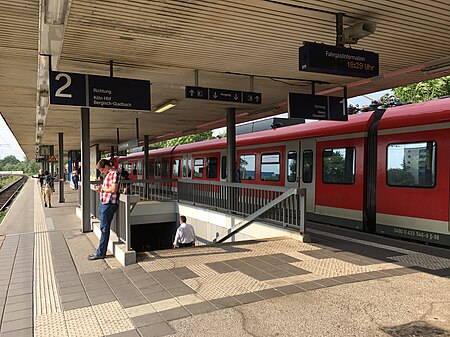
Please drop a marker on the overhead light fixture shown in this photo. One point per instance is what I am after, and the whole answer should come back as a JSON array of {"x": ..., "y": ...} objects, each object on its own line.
[
  {"x": 55, "y": 11},
  {"x": 40, "y": 125},
  {"x": 169, "y": 104}
]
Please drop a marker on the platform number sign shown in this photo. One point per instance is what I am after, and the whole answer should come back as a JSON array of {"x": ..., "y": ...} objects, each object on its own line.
[
  {"x": 67, "y": 89},
  {"x": 99, "y": 91}
]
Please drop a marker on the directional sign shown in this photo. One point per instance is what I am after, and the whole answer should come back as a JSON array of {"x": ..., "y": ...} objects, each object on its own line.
[
  {"x": 223, "y": 95},
  {"x": 251, "y": 97},
  {"x": 99, "y": 91},
  {"x": 317, "y": 107},
  {"x": 322, "y": 58},
  {"x": 196, "y": 92}
]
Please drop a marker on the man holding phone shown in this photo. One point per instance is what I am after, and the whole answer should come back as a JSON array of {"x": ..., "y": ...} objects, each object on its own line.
[{"x": 108, "y": 205}]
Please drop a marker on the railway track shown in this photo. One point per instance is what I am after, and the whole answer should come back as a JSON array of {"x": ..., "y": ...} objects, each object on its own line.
[{"x": 8, "y": 192}]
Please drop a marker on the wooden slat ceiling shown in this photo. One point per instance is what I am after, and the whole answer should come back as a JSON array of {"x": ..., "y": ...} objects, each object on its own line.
[{"x": 225, "y": 40}]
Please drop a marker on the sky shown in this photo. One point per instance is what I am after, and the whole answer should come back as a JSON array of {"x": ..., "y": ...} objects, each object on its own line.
[{"x": 9, "y": 145}]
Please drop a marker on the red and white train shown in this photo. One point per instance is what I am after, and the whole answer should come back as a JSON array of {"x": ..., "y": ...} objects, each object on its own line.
[{"x": 382, "y": 172}]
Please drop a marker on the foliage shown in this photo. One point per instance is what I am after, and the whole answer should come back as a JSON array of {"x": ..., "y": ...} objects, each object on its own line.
[
  {"x": 11, "y": 163},
  {"x": 185, "y": 139},
  {"x": 424, "y": 91},
  {"x": 6, "y": 180}
]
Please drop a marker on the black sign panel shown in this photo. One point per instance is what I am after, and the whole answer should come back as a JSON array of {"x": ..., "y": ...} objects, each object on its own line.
[
  {"x": 196, "y": 92},
  {"x": 67, "y": 89},
  {"x": 99, "y": 91},
  {"x": 119, "y": 93},
  {"x": 322, "y": 58},
  {"x": 251, "y": 97},
  {"x": 317, "y": 107},
  {"x": 225, "y": 95}
]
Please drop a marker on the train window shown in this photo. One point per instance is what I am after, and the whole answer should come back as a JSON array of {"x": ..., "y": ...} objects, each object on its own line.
[
  {"x": 270, "y": 167},
  {"x": 307, "y": 166},
  {"x": 157, "y": 168},
  {"x": 165, "y": 168},
  {"x": 139, "y": 167},
  {"x": 198, "y": 167},
  {"x": 189, "y": 167},
  {"x": 419, "y": 171},
  {"x": 176, "y": 168},
  {"x": 339, "y": 166},
  {"x": 151, "y": 169},
  {"x": 247, "y": 166},
  {"x": 223, "y": 168},
  {"x": 211, "y": 168},
  {"x": 292, "y": 166},
  {"x": 184, "y": 167}
]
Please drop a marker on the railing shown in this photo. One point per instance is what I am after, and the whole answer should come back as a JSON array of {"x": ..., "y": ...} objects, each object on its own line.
[
  {"x": 281, "y": 205},
  {"x": 151, "y": 189}
]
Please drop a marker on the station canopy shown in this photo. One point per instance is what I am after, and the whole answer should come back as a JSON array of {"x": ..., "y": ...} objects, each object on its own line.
[{"x": 244, "y": 45}]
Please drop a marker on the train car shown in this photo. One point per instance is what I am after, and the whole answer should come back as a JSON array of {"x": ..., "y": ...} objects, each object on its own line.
[
  {"x": 413, "y": 172},
  {"x": 383, "y": 172}
]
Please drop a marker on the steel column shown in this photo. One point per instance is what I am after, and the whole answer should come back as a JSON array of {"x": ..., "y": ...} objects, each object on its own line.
[
  {"x": 85, "y": 171},
  {"x": 61, "y": 166}
]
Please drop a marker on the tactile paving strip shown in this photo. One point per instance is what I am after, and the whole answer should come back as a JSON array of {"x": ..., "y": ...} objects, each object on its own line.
[
  {"x": 112, "y": 318},
  {"x": 46, "y": 298}
]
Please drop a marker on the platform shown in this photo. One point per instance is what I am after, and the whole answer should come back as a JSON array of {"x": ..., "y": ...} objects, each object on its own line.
[{"x": 343, "y": 283}]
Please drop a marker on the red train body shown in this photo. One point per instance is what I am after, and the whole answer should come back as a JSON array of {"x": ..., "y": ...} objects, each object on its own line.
[{"x": 383, "y": 171}]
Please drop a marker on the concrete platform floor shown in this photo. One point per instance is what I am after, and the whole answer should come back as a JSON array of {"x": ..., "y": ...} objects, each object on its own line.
[{"x": 344, "y": 283}]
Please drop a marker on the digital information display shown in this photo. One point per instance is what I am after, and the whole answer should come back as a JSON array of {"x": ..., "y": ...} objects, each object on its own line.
[
  {"x": 326, "y": 59},
  {"x": 317, "y": 107}
]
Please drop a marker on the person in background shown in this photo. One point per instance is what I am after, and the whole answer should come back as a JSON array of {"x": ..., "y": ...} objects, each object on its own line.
[
  {"x": 48, "y": 186},
  {"x": 185, "y": 236},
  {"x": 124, "y": 175},
  {"x": 75, "y": 178},
  {"x": 108, "y": 205}
]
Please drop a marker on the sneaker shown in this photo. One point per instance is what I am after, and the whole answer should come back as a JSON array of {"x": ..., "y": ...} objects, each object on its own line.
[
  {"x": 45, "y": 204},
  {"x": 95, "y": 257}
]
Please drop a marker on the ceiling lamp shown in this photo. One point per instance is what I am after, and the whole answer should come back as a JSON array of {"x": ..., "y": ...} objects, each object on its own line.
[{"x": 169, "y": 104}]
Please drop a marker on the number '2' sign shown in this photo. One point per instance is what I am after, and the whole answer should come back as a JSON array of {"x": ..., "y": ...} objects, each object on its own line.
[{"x": 68, "y": 89}]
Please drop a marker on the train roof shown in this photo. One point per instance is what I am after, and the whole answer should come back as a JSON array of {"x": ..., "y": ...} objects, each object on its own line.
[
  {"x": 431, "y": 112},
  {"x": 356, "y": 123}
]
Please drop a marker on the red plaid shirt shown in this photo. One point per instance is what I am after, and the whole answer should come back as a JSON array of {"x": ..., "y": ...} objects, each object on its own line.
[{"x": 111, "y": 178}]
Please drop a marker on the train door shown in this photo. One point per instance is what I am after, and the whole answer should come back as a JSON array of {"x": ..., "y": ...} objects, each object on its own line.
[{"x": 300, "y": 169}]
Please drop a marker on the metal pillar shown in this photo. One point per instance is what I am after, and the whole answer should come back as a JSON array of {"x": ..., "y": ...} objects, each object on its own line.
[
  {"x": 231, "y": 145},
  {"x": 112, "y": 152},
  {"x": 146, "y": 170},
  {"x": 61, "y": 166},
  {"x": 85, "y": 171}
]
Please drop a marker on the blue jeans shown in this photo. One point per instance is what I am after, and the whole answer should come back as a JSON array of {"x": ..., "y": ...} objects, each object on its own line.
[
  {"x": 75, "y": 182},
  {"x": 106, "y": 214}
]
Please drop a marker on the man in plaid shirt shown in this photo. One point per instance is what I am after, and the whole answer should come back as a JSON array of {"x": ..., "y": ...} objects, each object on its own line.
[{"x": 108, "y": 205}]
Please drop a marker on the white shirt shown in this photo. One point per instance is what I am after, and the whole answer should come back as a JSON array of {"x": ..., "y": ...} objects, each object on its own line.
[{"x": 185, "y": 234}]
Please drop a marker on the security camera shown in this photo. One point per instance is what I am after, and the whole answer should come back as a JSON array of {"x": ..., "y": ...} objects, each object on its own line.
[{"x": 357, "y": 31}]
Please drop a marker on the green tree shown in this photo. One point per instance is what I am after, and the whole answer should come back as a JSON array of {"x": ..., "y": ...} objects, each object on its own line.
[
  {"x": 185, "y": 139},
  {"x": 423, "y": 91}
]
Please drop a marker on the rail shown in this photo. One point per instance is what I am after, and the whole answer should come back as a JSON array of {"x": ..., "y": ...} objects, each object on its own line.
[{"x": 8, "y": 192}]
